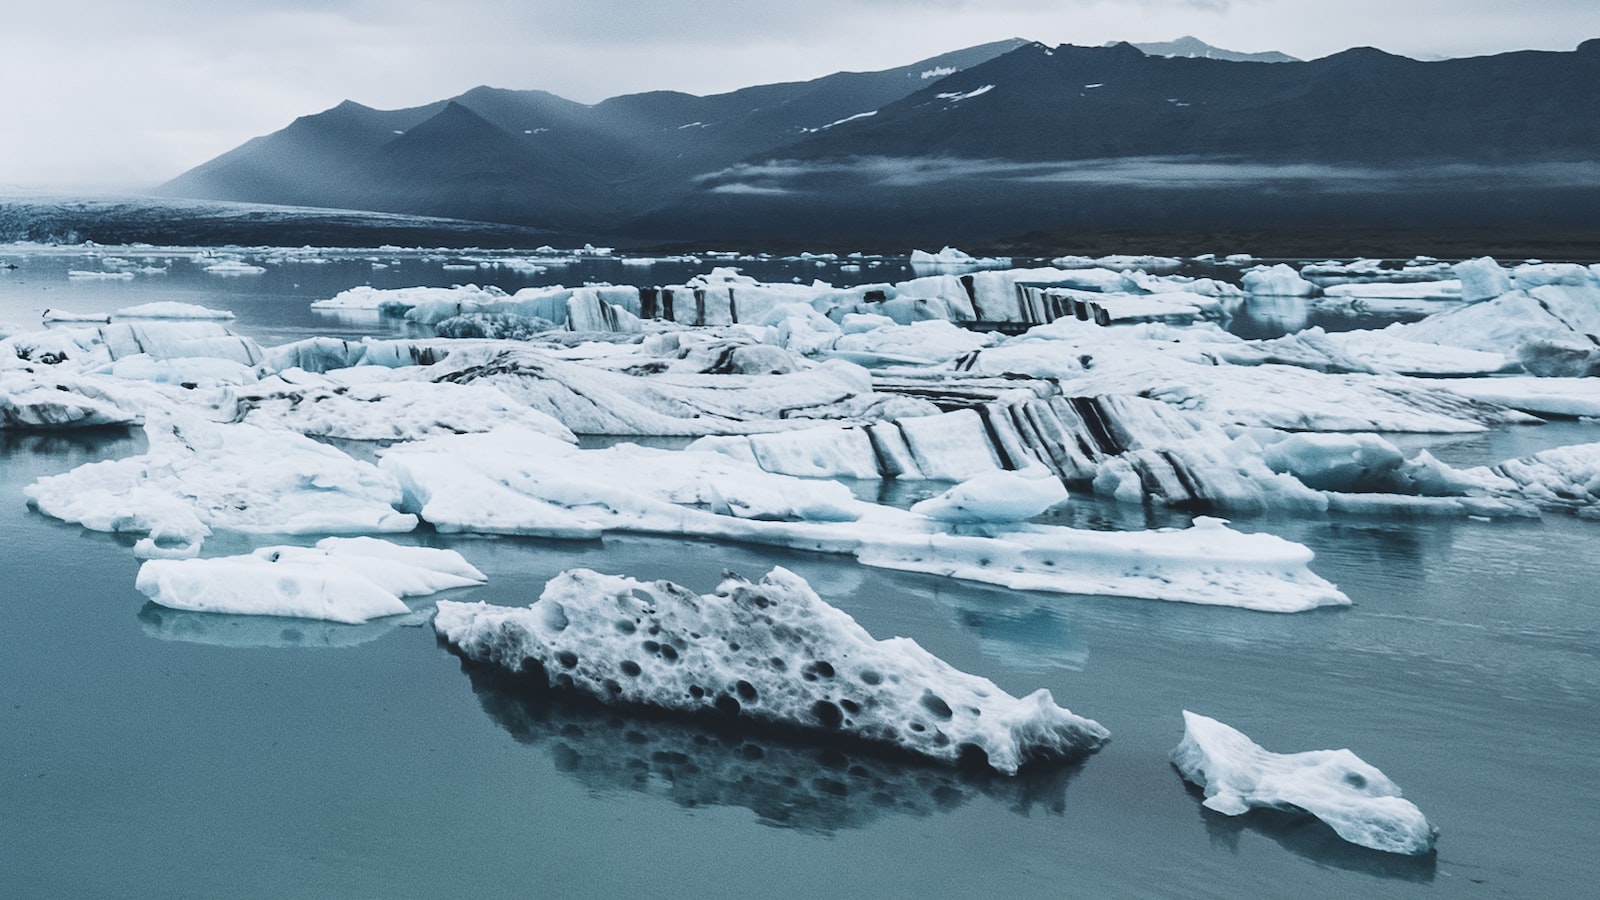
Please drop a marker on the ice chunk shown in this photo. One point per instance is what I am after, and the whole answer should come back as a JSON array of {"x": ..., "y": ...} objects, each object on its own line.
[
  {"x": 1337, "y": 462},
  {"x": 186, "y": 370},
  {"x": 1575, "y": 397},
  {"x": 1437, "y": 291},
  {"x": 772, "y": 652},
  {"x": 234, "y": 267},
  {"x": 28, "y": 402},
  {"x": 200, "y": 475},
  {"x": 951, "y": 259},
  {"x": 168, "y": 309},
  {"x": 66, "y": 315},
  {"x": 1575, "y": 357},
  {"x": 1277, "y": 281},
  {"x": 517, "y": 482},
  {"x": 339, "y": 580},
  {"x": 350, "y": 408},
  {"x": 1359, "y": 802},
  {"x": 1482, "y": 279},
  {"x": 953, "y": 446},
  {"x": 996, "y": 497},
  {"x": 923, "y": 342}
]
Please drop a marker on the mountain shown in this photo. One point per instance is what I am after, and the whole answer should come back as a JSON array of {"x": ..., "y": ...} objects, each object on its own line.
[
  {"x": 530, "y": 157},
  {"x": 1194, "y": 48},
  {"x": 991, "y": 141}
]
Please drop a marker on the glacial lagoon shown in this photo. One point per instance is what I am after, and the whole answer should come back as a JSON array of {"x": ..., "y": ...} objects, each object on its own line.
[{"x": 152, "y": 752}]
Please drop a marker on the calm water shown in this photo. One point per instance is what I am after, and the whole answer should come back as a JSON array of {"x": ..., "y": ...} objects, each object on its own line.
[{"x": 145, "y": 752}]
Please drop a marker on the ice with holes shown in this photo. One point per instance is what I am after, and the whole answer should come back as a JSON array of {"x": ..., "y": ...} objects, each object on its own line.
[
  {"x": 349, "y": 580},
  {"x": 771, "y": 652},
  {"x": 1356, "y": 800}
]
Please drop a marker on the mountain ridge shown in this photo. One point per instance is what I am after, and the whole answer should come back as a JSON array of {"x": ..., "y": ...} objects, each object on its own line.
[{"x": 996, "y": 139}]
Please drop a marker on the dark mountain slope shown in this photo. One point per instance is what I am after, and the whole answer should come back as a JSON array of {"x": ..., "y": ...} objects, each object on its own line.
[
  {"x": 991, "y": 141},
  {"x": 533, "y": 158}
]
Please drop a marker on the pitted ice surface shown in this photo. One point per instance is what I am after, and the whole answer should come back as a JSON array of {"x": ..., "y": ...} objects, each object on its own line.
[{"x": 771, "y": 651}]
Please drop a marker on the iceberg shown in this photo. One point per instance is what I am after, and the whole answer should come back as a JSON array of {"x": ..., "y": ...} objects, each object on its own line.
[
  {"x": 230, "y": 267},
  {"x": 29, "y": 402},
  {"x": 199, "y": 475},
  {"x": 1277, "y": 281},
  {"x": 1481, "y": 279},
  {"x": 348, "y": 580},
  {"x": 1355, "y": 799},
  {"x": 996, "y": 497},
  {"x": 1542, "y": 396},
  {"x": 511, "y": 481},
  {"x": 770, "y": 652},
  {"x": 346, "y": 405},
  {"x": 168, "y": 309}
]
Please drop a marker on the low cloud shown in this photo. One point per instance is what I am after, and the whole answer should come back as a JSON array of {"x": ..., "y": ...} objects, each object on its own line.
[{"x": 1152, "y": 173}]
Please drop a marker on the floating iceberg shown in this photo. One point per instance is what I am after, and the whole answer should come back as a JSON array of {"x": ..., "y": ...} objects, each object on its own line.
[
  {"x": 168, "y": 309},
  {"x": 234, "y": 267},
  {"x": 1277, "y": 281},
  {"x": 512, "y": 481},
  {"x": 349, "y": 580},
  {"x": 200, "y": 475},
  {"x": 996, "y": 497},
  {"x": 345, "y": 406},
  {"x": 772, "y": 652},
  {"x": 66, "y": 315},
  {"x": 1356, "y": 800},
  {"x": 28, "y": 402}
]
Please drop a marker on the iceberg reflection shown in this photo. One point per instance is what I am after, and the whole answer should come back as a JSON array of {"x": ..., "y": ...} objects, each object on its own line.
[
  {"x": 788, "y": 781},
  {"x": 1306, "y": 836},
  {"x": 222, "y": 630}
]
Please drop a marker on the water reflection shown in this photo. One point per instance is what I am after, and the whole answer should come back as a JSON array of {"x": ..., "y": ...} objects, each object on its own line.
[
  {"x": 110, "y": 442},
  {"x": 787, "y": 780},
  {"x": 222, "y": 630},
  {"x": 1309, "y": 837},
  {"x": 1268, "y": 316}
]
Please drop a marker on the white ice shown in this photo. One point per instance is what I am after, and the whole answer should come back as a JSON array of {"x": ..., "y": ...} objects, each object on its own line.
[
  {"x": 515, "y": 482},
  {"x": 28, "y": 401},
  {"x": 349, "y": 580},
  {"x": 199, "y": 475},
  {"x": 1355, "y": 799},
  {"x": 1277, "y": 281},
  {"x": 234, "y": 267},
  {"x": 170, "y": 309},
  {"x": 771, "y": 652}
]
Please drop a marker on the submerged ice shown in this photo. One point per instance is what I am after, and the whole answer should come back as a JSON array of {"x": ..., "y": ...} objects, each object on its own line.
[{"x": 772, "y": 652}]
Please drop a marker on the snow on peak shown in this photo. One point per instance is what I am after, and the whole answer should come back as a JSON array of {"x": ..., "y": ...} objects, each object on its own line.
[
  {"x": 771, "y": 652},
  {"x": 860, "y": 115},
  {"x": 937, "y": 72},
  {"x": 957, "y": 96}
]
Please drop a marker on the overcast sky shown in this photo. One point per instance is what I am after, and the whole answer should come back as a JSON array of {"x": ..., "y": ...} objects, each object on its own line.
[{"x": 102, "y": 94}]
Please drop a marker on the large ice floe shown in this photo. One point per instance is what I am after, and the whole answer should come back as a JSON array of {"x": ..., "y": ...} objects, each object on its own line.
[
  {"x": 31, "y": 402},
  {"x": 511, "y": 481},
  {"x": 199, "y": 475},
  {"x": 1355, "y": 799},
  {"x": 771, "y": 652},
  {"x": 349, "y": 580}
]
